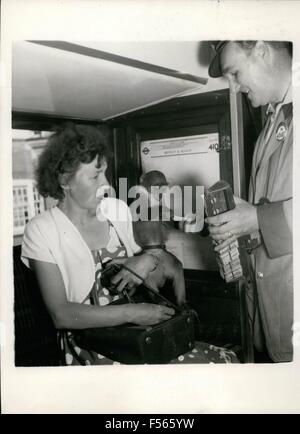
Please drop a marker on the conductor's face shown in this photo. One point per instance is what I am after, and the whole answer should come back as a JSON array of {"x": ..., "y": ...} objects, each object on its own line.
[{"x": 249, "y": 72}]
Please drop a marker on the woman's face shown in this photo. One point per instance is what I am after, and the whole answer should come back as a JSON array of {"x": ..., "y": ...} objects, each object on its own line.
[{"x": 83, "y": 186}]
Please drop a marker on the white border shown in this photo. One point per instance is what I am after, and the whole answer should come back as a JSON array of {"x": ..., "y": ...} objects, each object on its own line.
[{"x": 120, "y": 389}]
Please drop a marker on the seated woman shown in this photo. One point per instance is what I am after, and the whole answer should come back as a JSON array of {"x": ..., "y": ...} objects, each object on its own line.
[{"x": 68, "y": 245}]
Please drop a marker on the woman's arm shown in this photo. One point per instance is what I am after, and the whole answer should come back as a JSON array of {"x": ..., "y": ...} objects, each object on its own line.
[{"x": 66, "y": 314}]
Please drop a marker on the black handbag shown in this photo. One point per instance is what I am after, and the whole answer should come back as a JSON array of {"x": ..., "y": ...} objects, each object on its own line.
[{"x": 137, "y": 344}]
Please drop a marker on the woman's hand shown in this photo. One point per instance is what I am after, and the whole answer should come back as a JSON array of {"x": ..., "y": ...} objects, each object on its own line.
[
  {"x": 149, "y": 314},
  {"x": 141, "y": 265}
]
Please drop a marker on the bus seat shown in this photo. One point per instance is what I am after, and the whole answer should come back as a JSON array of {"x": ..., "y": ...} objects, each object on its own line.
[{"x": 35, "y": 335}]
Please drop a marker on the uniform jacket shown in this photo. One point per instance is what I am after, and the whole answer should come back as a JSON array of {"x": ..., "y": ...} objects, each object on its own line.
[{"x": 272, "y": 262}]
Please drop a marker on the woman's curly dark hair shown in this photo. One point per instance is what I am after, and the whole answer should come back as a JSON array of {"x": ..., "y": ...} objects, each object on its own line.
[{"x": 69, "y": 146}]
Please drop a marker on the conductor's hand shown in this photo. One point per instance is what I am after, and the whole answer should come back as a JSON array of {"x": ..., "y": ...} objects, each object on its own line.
[
  {"x": 230, "y": 225},
  {"x": 149, "y": 314},
  {"x": 141, "y": 265}
]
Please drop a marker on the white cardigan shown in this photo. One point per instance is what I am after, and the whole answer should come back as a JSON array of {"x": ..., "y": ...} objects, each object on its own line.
[{"x": 52, "y": 237}]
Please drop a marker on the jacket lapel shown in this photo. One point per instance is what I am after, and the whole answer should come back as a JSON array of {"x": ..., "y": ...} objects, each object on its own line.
[
  {"x": 275, "y": 140},
  {"x": 265, "y": 149}
]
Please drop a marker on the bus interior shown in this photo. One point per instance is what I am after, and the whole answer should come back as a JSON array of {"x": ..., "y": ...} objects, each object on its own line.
[{"x": 146, "y": 97}]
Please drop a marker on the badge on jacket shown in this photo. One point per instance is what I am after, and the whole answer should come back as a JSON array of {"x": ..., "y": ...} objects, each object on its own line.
[{"x": 281, "y": 131}]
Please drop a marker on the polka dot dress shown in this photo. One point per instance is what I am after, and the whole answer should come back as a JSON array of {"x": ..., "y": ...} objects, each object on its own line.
[
  {"x": 73, "y": 354},
  {"x": 206, "y": 353}
]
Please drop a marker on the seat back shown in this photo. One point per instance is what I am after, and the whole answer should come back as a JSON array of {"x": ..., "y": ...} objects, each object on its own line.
[{"x": 35, "y": 335}]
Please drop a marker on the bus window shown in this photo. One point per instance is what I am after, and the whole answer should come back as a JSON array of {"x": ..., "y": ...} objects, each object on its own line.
[{"x": 26, "y": 147}]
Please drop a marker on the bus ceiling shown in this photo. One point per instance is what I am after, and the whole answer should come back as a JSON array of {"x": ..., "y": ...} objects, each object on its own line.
[{"x": 98, "y": 81}]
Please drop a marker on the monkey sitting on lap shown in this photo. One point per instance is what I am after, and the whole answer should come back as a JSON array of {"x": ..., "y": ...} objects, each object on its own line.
[{"x": 151, "y": 236}]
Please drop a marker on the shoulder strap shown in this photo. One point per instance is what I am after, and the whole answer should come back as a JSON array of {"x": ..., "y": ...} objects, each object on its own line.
[{"x": 111, "y": 226}]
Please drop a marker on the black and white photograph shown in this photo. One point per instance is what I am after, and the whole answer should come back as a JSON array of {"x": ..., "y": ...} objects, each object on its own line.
[{"x": 148, "y": 209}]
